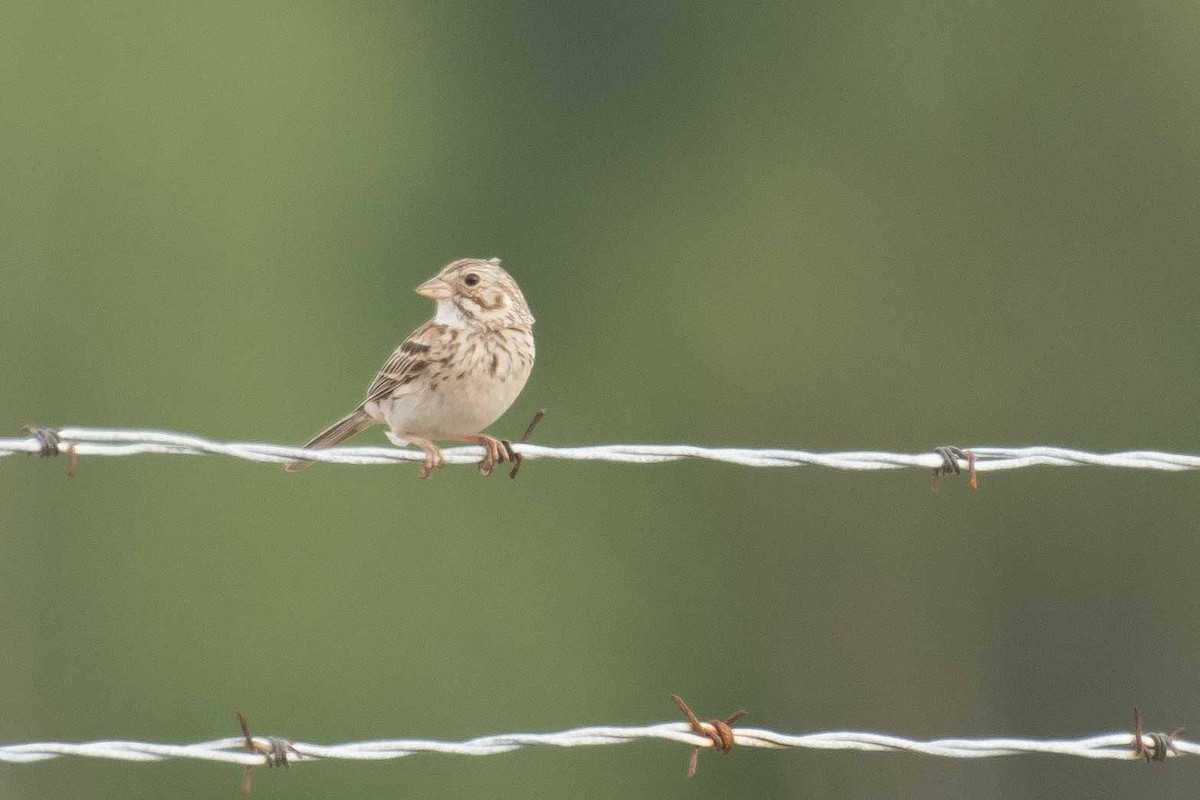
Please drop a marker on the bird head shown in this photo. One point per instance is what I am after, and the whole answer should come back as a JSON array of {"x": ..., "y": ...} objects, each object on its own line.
[{"x": 474, "y": 291}]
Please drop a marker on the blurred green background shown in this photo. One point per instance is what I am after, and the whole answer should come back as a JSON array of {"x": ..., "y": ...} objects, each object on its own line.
[{"x": 856, "y": 225}]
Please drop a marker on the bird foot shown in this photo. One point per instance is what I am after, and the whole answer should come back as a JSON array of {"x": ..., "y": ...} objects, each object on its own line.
[
  {"x": 433, "y": 454},
  {"x": 495, "y": 452},
  {"x": 433, "y": 460}
]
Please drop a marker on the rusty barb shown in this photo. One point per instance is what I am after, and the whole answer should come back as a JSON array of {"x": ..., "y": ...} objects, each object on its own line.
[
  {"x": 51, "y": 444},
  {"x": 1161, "y": 744},
  {"x": 275, "y": 754},
  {"x": 950, "y": 457},
  {"x": 514, "y": 456},
  {"x": 717, "y": 731}
]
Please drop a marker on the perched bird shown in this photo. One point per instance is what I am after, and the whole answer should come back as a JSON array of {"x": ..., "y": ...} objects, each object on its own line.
[{"x": 454, "y": 375}]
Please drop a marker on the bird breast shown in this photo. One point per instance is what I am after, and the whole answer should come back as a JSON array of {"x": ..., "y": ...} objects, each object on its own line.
[{"x": 468, "y": 389}]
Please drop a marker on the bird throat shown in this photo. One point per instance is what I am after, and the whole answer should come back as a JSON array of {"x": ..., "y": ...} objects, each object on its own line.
[{"x": 448, "y": 313}]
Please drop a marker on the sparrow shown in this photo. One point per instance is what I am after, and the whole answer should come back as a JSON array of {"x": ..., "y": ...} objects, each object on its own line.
[{"x": 454, "y": 375}]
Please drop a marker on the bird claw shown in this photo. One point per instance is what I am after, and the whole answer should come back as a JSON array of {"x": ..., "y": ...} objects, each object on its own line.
[
  {"x": 496, "y": 451},
  {"x": 433, "y": 460}
]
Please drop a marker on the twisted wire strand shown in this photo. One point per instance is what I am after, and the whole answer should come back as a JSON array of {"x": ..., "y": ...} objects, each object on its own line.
[
  {"x": 115, "y": 442},
  {"x": 232, "y": 750}
]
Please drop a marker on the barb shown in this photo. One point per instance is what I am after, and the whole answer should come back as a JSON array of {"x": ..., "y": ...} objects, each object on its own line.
[
  {"x": 233, "y": 750},
  {"x": 86, "y": 442},
  {"x": 1161, "y": 744},
  {"x": 718, "y": 731},
  {"x": 516, "y": 457},
  {"x": 275, "y": 753}
]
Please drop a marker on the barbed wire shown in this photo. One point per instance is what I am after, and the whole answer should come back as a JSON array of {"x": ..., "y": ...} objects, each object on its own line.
[
  {"x": 118, "y": 442},
  {"x": 272, "y": 751}
]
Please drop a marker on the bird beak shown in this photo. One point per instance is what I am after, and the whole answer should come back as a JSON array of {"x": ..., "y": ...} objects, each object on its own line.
[{"x": 435, "y": 289}]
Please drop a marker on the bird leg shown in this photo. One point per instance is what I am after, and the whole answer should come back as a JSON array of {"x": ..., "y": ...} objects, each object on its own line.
[{"x": 494, "y": 451}]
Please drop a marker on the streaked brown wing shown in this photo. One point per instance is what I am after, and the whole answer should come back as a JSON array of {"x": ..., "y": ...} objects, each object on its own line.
[{"x": 409, "y": 360}]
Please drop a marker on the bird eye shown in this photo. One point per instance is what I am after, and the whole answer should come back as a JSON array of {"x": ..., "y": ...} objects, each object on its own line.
[{"x": 471, "y": 280}]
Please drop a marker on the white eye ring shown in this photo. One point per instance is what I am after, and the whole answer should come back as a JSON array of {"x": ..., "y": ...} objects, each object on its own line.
[{"x": 471, "y": 280}]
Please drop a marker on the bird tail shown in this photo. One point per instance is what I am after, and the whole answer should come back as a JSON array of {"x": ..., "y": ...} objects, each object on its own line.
[{"x": 339, "y": 431}]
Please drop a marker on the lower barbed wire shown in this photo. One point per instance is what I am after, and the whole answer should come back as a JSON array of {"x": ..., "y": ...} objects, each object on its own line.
[
  {"x": 89, "y": 442},
  {"x": 1115, "y": 746}
]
